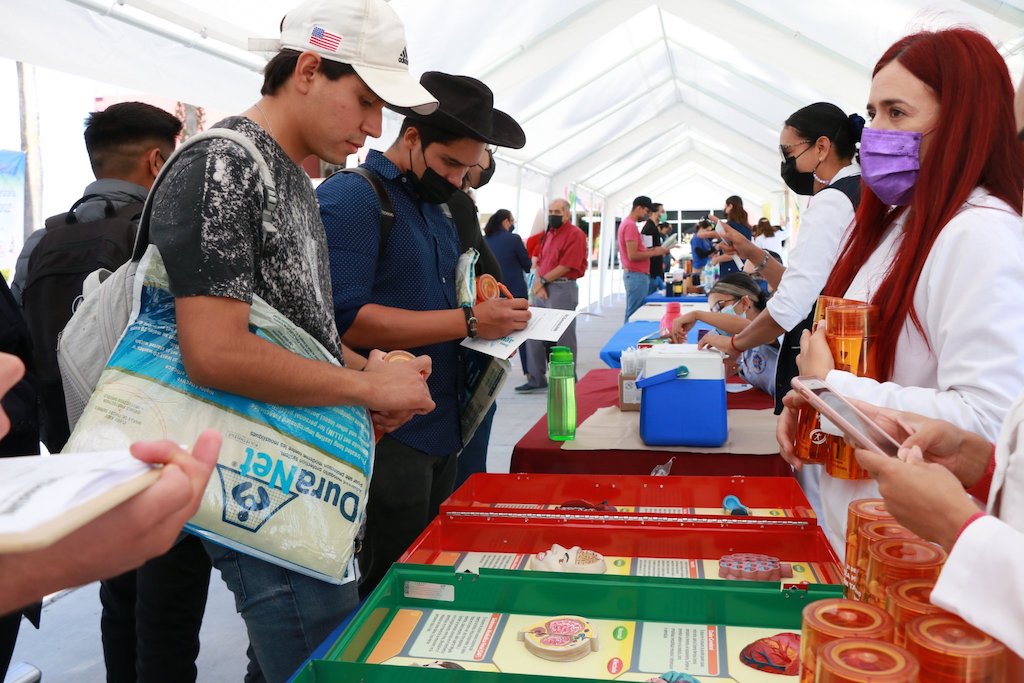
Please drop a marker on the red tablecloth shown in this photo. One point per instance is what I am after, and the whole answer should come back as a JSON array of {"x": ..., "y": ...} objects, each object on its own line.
[{"x": 599, "y": 388}]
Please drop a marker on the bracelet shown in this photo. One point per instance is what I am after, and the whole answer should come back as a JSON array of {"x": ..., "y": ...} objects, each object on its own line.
[
  {"x": 970, "y": 520},
  {"x": 762, "y": 264},
  {"x": 732, "y": 343}
]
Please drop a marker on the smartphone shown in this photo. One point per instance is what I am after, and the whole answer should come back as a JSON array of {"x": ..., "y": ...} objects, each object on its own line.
[{"x": 855, "y": 425}]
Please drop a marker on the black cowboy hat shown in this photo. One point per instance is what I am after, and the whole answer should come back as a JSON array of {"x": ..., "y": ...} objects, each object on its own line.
[{"x": 467, "y": 107}]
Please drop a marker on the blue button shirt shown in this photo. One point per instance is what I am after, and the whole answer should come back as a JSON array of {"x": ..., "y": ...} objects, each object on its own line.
[{"x": 416, "y": 272}]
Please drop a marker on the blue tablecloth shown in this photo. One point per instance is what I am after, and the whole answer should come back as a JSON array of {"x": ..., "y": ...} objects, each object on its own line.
[
  {"x": 630, "y": 333},
  {"x": 660, "y": 298}
]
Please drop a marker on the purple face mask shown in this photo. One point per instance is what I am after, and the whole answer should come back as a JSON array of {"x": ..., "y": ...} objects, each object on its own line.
[{"x": 890, "y": 162}]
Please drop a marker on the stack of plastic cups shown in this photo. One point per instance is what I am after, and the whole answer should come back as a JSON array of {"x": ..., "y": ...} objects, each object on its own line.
[
  {"x": 832, "y": 619},
  {"x": 896, "y": 559},
  {"x": 812, "y": 445},
  {"x": 859, "y": 513},
  {"x": 868, "y": 534},
  {"x": 907, "y": 600},
  {"x": 858, "y": 660},
  {"x": 951, "y": 650},
  {"x": 850, "y": 332}
]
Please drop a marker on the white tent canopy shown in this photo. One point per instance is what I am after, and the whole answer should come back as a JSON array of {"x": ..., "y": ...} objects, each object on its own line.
[{"x": 617, "y": 97}]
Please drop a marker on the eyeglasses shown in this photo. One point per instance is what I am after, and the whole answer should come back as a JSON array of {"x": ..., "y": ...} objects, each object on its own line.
[
  {"x": 717, "y": 307},
  {"x": 784, "y": 149}
]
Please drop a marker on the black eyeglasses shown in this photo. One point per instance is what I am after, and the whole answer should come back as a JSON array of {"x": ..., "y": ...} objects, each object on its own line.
[
  {"x": 717, "y": 308},
  {"x": 784, "y": 149}
]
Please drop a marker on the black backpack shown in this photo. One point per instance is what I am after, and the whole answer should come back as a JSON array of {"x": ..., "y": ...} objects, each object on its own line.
[{"x": 66, "y": 254}]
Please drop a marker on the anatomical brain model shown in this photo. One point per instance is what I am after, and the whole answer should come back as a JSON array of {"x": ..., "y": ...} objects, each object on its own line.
[
  {"x": 560, "y": 639},
  {"x": 574, "y": 559}
]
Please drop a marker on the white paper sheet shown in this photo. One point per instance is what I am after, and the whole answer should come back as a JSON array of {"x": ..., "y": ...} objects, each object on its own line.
[
  {"x": 546, "y": 324},
  {"x": 35, "y": 490}
]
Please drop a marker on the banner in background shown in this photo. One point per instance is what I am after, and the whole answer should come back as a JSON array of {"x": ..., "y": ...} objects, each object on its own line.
[{"x": 12, "y": 209}]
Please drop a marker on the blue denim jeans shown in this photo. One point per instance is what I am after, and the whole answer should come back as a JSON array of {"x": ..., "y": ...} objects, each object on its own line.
[
  {"x": 637, "y": 287},
  {"x": 287, "y": 614}
]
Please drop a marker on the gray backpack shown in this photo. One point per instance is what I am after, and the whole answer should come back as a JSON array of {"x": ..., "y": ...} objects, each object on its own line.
[{"x": 90, "y": 337}]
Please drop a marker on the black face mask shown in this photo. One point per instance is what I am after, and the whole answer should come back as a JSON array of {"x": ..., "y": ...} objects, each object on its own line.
[
  {"x": 485, "y": 176},
  {"x": 801, "y": 182},
  {"x": 554, "y": 221},
  {"x": 432, "y": 188}
]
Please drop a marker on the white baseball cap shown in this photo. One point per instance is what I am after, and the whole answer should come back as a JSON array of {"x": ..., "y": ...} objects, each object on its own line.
[{"x": 367, "y": 34}]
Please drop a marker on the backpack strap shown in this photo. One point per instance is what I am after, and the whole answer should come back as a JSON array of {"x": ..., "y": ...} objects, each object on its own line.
[
  {"x": 266, "y": 177},
  {"x": 850, "y": 186},
  {"x": 387, "y": 209}
]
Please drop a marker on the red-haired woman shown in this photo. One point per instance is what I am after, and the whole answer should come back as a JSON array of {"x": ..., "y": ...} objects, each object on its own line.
[{"x": 938, "y": 246}]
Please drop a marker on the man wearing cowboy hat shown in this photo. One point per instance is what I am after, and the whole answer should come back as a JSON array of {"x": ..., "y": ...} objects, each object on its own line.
[{"x": 399, "y": 293}]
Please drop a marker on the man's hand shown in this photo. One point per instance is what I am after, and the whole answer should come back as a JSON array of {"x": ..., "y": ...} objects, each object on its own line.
[
  {"x": 399, "y": 389},
  {"x": 387, "y": 420},
  {"x": 497, "y": 318},
  {"x": 924, "y": 497},
  {"x": 539, "y": 291},
  {"x": 121, "y": 539}
]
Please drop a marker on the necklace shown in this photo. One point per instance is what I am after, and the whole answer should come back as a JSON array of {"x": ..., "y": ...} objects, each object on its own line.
[{"x": 270, "y": 128}]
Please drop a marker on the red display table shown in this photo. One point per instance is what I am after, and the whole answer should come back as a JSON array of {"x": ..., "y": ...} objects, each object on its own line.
[{"x": 599, "y": 388}]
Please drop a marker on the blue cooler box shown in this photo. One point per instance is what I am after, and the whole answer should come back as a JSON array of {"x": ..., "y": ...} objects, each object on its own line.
[{"x": 683, "y": 398}]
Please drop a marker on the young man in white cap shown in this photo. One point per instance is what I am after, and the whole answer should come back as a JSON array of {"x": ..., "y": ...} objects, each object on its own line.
[
  {"x": 400, "y": 293},
  {"x": 340, "y": 61}
]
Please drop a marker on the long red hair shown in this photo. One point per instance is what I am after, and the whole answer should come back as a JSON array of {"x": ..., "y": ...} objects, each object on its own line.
[{"x": 975, "y": 144}]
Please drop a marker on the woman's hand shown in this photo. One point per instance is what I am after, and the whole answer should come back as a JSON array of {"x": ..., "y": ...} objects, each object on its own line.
[
  {"x": 923, "y": 496},
  {"x": 815, "y": 359},
  {"x": 681, "y": 326},
  {"x": 785, "y": 428},
  {"x": 963, "y": 453},
  {"x": 718, "y": 342}
]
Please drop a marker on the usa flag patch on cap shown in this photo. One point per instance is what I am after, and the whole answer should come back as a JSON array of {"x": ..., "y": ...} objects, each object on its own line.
[{"x": 325, "y": 39}]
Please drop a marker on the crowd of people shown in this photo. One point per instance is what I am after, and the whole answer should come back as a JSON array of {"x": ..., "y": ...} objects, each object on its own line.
[{"x": 927, "y": 226}]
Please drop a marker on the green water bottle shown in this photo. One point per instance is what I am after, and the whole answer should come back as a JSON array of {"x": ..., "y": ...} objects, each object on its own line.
[{"x": 561, "y": 394}]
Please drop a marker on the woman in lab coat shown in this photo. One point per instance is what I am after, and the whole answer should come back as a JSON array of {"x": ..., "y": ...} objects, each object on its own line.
[{"x": 938, "y": 246}]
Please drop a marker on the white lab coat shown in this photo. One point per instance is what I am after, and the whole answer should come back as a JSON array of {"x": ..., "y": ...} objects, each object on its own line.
[
  {"x": 823, "y": 229},
  {"x": 983, "y": 579},
  {"x": 970, "y": 300}
]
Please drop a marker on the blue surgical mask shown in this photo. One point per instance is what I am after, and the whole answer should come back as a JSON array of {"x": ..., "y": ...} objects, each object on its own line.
[{"x": 730, "y": 310}]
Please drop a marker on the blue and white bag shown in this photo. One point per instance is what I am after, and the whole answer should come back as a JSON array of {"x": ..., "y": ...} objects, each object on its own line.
[{"x": 291, "y": 483}]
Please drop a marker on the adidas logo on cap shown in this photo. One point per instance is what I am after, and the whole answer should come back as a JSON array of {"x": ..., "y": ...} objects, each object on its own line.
[{"x": 404, "y": 57}]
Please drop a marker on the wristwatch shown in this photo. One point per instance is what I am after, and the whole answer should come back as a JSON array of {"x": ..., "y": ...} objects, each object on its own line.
[
  {"x": 543, "y": 282},
  {"x": 470, "y": 322}
]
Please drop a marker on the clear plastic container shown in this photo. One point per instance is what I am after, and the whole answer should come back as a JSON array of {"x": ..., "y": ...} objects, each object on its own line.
[
  {"x": 859, "y": 512},
  {"x": 896, "y": 559},
  {"x": 950, "y": 649},
  {"x": 813, "y": 445},
  {"x": 858, "y": 660},
  {"x": 828, "y": 620},
  {"x": 908, "y": 599}
]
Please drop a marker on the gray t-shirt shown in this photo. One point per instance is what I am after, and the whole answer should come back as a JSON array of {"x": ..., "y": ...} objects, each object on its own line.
[{"x": 207, "y": 224}]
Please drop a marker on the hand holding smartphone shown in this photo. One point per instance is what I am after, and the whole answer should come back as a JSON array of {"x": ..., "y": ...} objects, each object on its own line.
[
  {"x": 854, "y": 424},
  {"x": 720, "y": 229}
]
